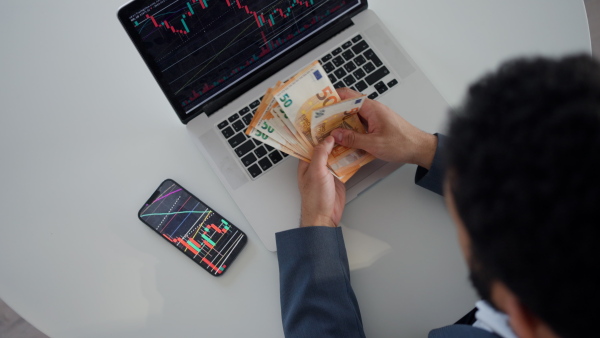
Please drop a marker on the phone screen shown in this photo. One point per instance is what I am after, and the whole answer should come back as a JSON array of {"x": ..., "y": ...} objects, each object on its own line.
[{"x": 193, "y": 227}]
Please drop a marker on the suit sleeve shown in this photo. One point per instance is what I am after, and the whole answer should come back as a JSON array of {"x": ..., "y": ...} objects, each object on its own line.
[
  {"x": 433, "y": 179},
  {"x": 317, "y": 299}
]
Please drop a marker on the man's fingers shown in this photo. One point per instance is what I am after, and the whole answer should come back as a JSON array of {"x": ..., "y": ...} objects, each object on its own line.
[
  {"x": 321, "y": 152},
  {"x": 368, "y": 109},
  {"x": 351, "y": 139},
  {"x": 319, "y": 157},
  {"x": 369, "y": 106},
  {"x": 347, "y": 93},
  {"x": 302, "y": 166}
]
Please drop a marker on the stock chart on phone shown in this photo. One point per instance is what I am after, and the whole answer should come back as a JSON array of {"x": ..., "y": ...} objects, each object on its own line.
[
  {"x": 201, "y": 47},
  {"x": 193, "y": 228}
]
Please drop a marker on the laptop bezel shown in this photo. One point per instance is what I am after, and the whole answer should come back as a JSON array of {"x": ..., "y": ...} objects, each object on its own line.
[{"x": 247, "y": 83}]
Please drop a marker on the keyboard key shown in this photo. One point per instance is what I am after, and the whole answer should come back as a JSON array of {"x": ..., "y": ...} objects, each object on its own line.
[
  {"x": 336, "y": 51},
  {"x": 359, "y": 74},
  {"x": 392, "y": 83},
  {"x": 332, "y": 78},
  {"x": 238, "y": 125},
  {"x": 350, "y": 66},
  {"x": 338, "y": 61},
  {"x": 347, "y": 45},
  {"x": 283, "y": 154},
  {"x": 356, "y": 38},
  {"x": 275, "y": 157},
  {"x": 369, "y": 67},
  {"x": 254, "y": 170},
  {"x": 360, "y": 86},
  {"x": 247, "y": 119},
  {"x": 360, "y": 47},
  {"x": 326, "y": 58},
  {"x": 377, "y": 75},
  {"x": 227, "y": 132},
  {"x": 376, "y": 61},
  {"x": 249, "y": 159},
  {"x": 373, "y": 96},
  {"x": 223, "y": 124},
  {"x": 353, "y": 88},
  {"x": 328, "y": 67},
  {"x": 348, "y": 55},
  {"x": 269, "y": 148},
  {"x": 381, "y": 87},
  {"x": 265, "y": 164},
  {"x": 237, "y": 140},
  {"x": 233, "y": 117},
  {"x": 339, "y": 85},
  {"x": 260, "y": 151},
  {"x": 374, "y": 58},
  {"x": 257, "y": 142},
  {"x": 360, "y": 60},
  {"x": 340, "y": 73},
  {"x": 244, "y": 148},
  {"x": 244, "y": 110},
  {"x": 254, "y": 104},
  {"x": 349, "y": 80}
]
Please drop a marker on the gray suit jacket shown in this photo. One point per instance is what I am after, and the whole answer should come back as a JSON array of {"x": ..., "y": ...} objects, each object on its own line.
[{"x": 317, "y": 299}]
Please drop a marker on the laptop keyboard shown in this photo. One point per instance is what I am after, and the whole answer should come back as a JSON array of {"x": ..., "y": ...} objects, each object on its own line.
[{"x": 353, "y": 64}]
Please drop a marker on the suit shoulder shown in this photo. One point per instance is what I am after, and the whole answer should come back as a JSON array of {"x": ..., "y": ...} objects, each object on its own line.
[{"x": 463, "y": 331}]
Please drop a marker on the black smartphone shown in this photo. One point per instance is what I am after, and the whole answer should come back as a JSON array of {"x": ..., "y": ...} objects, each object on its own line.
[{"x": 193, "y": 227}]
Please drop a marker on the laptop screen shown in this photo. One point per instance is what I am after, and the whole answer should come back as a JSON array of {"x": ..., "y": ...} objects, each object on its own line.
[{"x": 198, "y": 49}]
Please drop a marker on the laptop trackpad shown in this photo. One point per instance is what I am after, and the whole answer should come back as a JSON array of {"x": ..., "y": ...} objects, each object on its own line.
[{"x": 226, "y": 164}]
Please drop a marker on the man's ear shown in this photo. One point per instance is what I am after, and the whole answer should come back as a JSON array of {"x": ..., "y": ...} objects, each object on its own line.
[
  {"x": 520, "y": 318},
  {"x": 524, "y": 323}
]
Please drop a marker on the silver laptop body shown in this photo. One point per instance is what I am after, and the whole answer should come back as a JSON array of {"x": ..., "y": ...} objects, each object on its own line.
[{"x": 271, "y": 201}]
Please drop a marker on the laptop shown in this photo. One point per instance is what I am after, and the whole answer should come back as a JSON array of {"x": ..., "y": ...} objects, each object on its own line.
[{"x": 214, "y": 59}]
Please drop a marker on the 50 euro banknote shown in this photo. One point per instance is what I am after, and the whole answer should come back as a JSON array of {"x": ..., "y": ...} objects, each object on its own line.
[
  {"x": 306, "y": 91},
  {"x": 267, "y": 126},
  {"x": 296, "y": 115},
  {"x": 342, "y": 160}
]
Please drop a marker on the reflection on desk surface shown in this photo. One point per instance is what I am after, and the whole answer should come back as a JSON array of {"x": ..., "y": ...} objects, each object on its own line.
[{"x": 363, "y": 250}]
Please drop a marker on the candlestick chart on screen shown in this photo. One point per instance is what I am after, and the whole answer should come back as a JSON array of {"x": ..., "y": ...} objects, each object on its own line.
[
  {"x": 203, "y": 46},
  {"x": 193, "y": 228}
]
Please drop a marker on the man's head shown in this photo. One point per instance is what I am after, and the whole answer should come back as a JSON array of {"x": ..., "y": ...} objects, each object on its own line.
[{"x": 524, "y": 184}]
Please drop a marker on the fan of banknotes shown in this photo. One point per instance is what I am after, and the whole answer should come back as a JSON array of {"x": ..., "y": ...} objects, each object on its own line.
[{"x": 296, "y": 115}]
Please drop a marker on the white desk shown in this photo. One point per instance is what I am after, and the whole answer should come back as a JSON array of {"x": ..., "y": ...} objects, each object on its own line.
[{"x": 86, "y": 135}]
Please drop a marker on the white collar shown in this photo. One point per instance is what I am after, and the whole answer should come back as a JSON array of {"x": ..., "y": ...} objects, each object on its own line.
[{"x": 491, "y": 320}]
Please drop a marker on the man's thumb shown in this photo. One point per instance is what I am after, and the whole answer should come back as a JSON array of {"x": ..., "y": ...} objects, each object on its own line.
[{"x": 349, "y": 138}]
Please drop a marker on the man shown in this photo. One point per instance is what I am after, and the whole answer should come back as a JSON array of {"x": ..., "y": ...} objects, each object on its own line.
[{"x": 519, "y": 173}]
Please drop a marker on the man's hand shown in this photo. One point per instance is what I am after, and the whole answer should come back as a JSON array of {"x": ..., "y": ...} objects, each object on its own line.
[
  {"x": 389, "y": 136},
  {"x": 323, "y": 195}
]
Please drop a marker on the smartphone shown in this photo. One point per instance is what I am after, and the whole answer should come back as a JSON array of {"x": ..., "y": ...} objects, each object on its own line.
[{"x": 193, "y": 227}]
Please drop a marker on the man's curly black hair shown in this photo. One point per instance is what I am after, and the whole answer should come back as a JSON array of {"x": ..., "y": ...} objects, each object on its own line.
[{"x": 524, "y": 169}]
